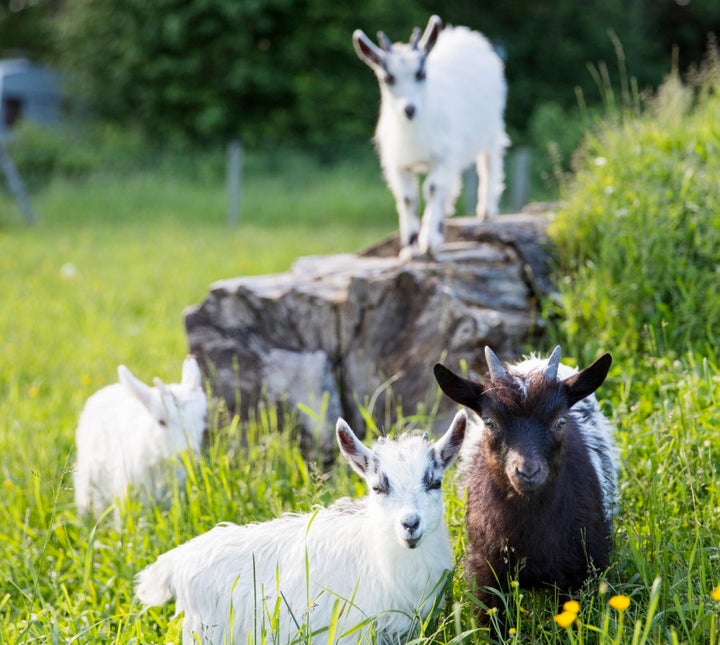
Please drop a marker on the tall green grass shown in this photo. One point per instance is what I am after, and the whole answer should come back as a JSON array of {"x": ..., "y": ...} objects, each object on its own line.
[
  {"x": 103, "y": 279},
  {"x": 105, "y": 275},
  {"x": 637, "y": 265},
  {"x": 639, "y": 235}
]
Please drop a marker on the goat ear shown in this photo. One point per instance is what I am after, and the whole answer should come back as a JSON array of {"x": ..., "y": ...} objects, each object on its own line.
[
  {"x": 447, "y": 447},
  {"x": 191, "y": 375},
  {"x": 357, "y": 454},
  {"x": 367, "y": 51},
  {"x": 142, "y": 392},
  {"x": 430, "y": 36},
  {"x": 162, "y": 388},
  {"x": 584, "y": 383},
  {"x": 458, "y": 388}
]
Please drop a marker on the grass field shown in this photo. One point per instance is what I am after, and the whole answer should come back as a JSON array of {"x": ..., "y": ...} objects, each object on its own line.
[{"x": 105, "y": 276}]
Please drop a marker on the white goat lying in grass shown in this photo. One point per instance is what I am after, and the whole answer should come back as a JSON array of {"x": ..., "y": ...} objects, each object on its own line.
[
  {"x": 442, "y": 103},
  {"x": 129, "y": 432},
  {"x": 374, "y": 563}
]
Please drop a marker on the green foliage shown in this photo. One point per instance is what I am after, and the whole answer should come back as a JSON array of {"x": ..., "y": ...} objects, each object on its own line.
[
  {"x": 26, "y": 28},
  {"x": 277, "y": 69},
  {"x": 555, "y": 134},
  {"x": 42, "y": 153},
  {"x": 254, "y": 70},
  {"x": 639, "y": 235}
]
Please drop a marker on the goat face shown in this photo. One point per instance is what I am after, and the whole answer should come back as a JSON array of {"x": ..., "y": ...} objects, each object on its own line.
[
  {"x": 525, "y": 418},
  {"x": 178, "y": 409},
  {"x": 186, "y": 412},
  {"x": 400, "y": 68},
  {"x": 524, "y": 426},
  {"x": 402, "y": 81},
  {"x": 405, "y": 479},
  {"x": 405, "y": 482}
]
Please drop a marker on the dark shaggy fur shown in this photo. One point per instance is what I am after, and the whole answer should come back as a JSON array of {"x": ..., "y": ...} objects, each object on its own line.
[{"x": 534, "y": 502}]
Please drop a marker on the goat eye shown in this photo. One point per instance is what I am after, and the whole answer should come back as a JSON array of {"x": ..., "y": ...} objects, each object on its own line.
[
  {"x": 382, "y": 487},
  {"x": 420, "y": 74},
  {"x": 434, "y": 484},
  {"x": 389, "y": 79},
  {"x": 560, "y": 424},
  {"x": 490, "y": 424}
]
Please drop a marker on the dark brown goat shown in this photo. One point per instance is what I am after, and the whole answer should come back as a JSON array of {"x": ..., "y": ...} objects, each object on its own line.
[{"x": 541, "y": 476}]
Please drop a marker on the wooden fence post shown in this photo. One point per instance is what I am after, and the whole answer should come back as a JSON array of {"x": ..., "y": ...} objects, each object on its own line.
[
  {"x": 234, "y": 181},
  {"x": 15, "y": 183}
]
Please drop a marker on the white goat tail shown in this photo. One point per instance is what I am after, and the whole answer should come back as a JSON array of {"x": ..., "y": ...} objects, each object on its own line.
[{"x": 153, "y": 584}]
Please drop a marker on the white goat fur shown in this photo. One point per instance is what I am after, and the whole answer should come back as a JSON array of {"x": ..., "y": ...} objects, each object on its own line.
[
  {"x": 381, "y": 558},
  {"x": 596, "y": 430},
  {"x": 129, "y": 432},
  {"x": 438, "y": 124}
]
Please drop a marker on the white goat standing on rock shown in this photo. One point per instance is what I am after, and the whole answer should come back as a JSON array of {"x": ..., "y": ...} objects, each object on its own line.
[
  {"x": 380, "y": 561},
  {"x": 132, "y": 434},
  {"x": 442, "y": 103}
]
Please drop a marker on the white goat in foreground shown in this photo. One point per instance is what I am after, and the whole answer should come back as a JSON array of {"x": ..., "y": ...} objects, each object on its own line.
[
  {"x": 442, "y": 103},
  {"x": 374, "y": 563},
  {"x": 129, "y": 432}
]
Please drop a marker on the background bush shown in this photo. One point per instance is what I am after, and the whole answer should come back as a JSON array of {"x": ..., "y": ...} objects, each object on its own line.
[
  {"x": 639, "y": 234},
  {"x": 284, "y": 73},
  {"x": 280, "y": 69}
]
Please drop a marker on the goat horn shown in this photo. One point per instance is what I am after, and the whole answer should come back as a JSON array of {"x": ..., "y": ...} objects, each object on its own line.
[
  {"x": 550, "y": 372},
  {"x": 384, "y": 41},
  {"x": 415, "y": 38},
  {"x": 495, "y": 367}
]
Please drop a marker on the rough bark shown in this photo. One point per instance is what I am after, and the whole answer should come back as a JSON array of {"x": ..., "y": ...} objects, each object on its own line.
[{"x": 339, "y": 332}]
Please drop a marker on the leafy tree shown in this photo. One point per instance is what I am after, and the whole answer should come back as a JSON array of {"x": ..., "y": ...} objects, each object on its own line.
[
  {"x": 25, "y": 28},
  {"x": 259, "y": 70},
  {"x": 279, "y": 69}
]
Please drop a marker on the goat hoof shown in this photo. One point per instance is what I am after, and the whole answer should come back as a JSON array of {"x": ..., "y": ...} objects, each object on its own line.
[
  {"x": 423, "y": 256},
  {"x": 407, "y": 253}
]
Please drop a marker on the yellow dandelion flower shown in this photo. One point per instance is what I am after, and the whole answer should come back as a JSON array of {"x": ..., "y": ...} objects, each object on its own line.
[
  {"x": 512, "y": 631},
  {"x": 572, "y": 606},
  {"x": 85, "y": 380},
  {"x": 715, "y": 593},
  {"x": 565, "y": 619},
  {"x": 33, "y": 391},
  {"x": 619, "y": 603},
  {"x": 7, "y": 484},
  {"x": 492, "y": 611}
]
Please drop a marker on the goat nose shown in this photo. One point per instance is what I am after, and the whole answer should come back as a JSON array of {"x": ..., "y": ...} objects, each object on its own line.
[
  {"x": 410, "y": 111},
  {"x": 528, "y": 472},
  {"x": 411, "y": 522}
]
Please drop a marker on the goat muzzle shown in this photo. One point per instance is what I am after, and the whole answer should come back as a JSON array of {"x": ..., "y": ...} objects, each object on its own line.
[
  {"x": 527, "y": 476},
  {"x": 411, "y": 532}
]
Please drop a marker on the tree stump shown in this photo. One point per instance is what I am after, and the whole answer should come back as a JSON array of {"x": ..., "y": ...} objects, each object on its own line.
[{"x": 341, "y": 332}]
